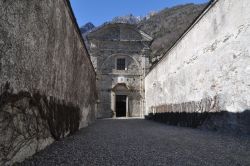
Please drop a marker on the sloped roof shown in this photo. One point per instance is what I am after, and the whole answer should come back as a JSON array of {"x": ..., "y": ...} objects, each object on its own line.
[{"x": 118, "y": 32}]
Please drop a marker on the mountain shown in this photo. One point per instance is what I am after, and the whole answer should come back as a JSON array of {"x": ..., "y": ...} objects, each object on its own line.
[
  {"x": 129, "y": 19},
  {"x": 168, "y": 25},
  {"x": 87, "y": 27}
]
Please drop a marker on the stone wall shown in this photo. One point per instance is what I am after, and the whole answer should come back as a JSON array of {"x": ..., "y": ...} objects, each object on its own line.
[
  {"x": 46, "y": 77},
  {"x": 209, "y": 64}
]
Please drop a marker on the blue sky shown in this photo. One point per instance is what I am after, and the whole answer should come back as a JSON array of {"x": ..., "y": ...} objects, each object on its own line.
[{"x": 100, "y": 11}]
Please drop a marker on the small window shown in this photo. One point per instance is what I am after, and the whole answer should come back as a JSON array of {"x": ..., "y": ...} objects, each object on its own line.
[{"x": 121, "y": 64}]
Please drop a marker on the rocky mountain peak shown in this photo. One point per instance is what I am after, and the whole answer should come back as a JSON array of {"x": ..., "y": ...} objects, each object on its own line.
[{"x": 87, "y": 27}]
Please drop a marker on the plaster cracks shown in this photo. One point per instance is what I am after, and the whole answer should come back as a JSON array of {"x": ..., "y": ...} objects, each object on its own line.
[{"x": 207, "y": 63}]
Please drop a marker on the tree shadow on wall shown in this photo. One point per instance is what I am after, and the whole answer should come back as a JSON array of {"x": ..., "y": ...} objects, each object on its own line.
[
  {"x": 224, "y": 121},
  {"x": 27, "y": 118}
]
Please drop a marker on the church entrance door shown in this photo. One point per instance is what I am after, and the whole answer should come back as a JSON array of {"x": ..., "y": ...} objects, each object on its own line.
[{"x": 121, "y": 105}]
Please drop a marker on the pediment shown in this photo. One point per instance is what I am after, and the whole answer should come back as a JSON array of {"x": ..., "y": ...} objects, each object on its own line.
[
  {"x": 119, "y": 32},
  {"x": 120, "y": 87}
]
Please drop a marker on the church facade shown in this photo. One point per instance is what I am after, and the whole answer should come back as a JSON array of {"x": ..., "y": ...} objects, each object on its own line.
[{"x": 120, "y": 55}]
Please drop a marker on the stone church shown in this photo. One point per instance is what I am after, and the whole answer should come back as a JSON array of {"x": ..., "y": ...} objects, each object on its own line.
[{"x": 119, "y": 53}]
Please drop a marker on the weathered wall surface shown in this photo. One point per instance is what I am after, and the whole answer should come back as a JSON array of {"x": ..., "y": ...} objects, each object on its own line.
[
  {"x": 46, "y": 77},
  {"x": 208, "y": 70}
]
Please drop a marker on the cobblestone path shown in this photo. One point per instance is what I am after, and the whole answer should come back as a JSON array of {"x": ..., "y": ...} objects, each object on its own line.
[{"x": 142, "y": 142}]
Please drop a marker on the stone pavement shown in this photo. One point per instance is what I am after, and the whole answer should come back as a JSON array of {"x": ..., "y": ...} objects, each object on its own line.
[{"x": 142, "y": 142}]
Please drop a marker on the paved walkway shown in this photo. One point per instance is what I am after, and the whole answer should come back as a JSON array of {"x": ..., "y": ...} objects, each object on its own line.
[{"x": 142, "y": 142}]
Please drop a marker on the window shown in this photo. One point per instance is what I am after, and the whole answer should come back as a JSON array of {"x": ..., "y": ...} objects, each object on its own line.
[{"x": 121, "y": 64}]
